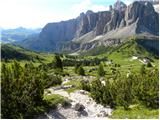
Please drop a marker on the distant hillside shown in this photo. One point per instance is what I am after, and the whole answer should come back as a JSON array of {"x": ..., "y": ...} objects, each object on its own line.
[
  {"x": 18, "y": 34},
  {"x": 130, "y": 48},
  {"x": 10, "y": 52}
]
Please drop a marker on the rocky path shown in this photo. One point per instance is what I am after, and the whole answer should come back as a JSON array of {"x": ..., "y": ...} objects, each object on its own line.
[
  {"x": 90, "y": 108},
  {"x": 82, "y": 106}
]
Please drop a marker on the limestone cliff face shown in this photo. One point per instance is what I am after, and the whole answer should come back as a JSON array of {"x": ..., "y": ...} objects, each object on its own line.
[
  {"x": 139, "y": 17},
  {"x": 144, "y": 13},
  {"x": 103, "y": 19},
  {"x": 55, "y": 33}
]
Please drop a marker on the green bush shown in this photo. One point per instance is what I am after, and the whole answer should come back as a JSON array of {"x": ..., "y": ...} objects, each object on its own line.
[
  {"x": 85, "y": 86},
  {"x": 53, "y": 100},
  {"x": 76, "y": 68},
  {"x": 57, "y": 62},
  {"x": 101, "y": 71},
  {"x": 124, "y": 91},
  {"x": 80, "y": 71},
  {"x": 52, "y": 80},
  {"x": 21, "y": 90},
  {"x": 149, "y": 64},
  {"x": 149, "y": 89}
]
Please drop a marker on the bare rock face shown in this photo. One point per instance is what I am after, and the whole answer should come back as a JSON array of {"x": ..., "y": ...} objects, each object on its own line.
[
  {"x": 139, "y": 16},
  {"x": 55, "y": 33},
  {"x": 132, "y": 13},
  {"x": 103, "y": 19},
  {"x": 150, "y": 19},
  {"x": 123, "y": 23},
  {"x": 120, "y": 6},
  {"x": 113, "y": 22},
  {"x": 86, "y": 23},
  {"x": 146, "y": 16}
]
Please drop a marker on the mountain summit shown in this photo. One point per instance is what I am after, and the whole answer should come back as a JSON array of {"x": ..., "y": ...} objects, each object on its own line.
[{"x": 91, "y": 29}]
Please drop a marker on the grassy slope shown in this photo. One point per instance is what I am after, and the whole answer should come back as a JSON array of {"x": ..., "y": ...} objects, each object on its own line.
[
  {"x": 123, "y": 54},
  {"x": 136, "y": 112},
  {"x": 10, "y": 52}
]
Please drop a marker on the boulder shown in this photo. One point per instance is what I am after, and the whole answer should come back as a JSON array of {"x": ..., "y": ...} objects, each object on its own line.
[
  {"x": 103, "y": 114},
  {"x": 79, "y": 107},
  {"x": 83, "y": 92}
]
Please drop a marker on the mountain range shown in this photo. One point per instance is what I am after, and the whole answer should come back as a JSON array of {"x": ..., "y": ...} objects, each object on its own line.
[
  {"x": 17, "y": 34},
  {"x": 106, "y": 28}
]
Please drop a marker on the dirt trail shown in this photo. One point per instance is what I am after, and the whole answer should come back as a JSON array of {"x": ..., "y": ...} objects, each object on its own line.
[{"x": 92, "y": 109}]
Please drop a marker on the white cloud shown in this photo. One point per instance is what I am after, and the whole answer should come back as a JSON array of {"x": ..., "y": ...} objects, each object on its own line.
[
  {"x": 36, "y": 13},
  {"x": 128, "y": 2},
  {"x": 15, "y": 13},
  {"x": 85, "y": 5},
  {"x": 99, "y": 8}
]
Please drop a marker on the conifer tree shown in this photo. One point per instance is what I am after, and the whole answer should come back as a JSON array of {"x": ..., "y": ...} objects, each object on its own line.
[
  {"x": 57, "y": 62},
  {"x": 101, "y": 71},
  {"x": 81, "y": 71}
]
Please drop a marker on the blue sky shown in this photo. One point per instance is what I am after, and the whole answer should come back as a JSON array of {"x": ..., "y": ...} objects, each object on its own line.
[{"x": 37, "y": 13}]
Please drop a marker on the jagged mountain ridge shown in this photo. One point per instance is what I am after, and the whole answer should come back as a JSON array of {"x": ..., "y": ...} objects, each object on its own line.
[{"x": 92, "y": 29}]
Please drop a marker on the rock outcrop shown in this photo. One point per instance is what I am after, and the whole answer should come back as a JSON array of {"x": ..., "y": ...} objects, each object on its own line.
[{"x": 137, "y": 18}]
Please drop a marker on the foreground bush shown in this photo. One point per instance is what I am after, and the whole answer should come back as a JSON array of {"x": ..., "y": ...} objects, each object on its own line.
[
  {"x": 22, "y": 90},
  {"x": 125, "y": 91}
]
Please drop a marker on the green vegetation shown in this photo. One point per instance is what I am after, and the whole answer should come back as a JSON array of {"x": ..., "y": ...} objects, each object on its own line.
[
  {"x": 80, "y": 71},
  {"x": 149, "y": 64},
  {"x": 85, "y": 86},
  {"x": 101, "y": 71},
  {"x": 53, "y": 100},
  {"x": 136, "y": 112},
  {"x": 12, "y": 52},
  {"x": 57, "y": 63},
  {"x": 76, "y": 83},
  {"x": 15, "y": 52},
  {"x": 125, "y": 91},
  {"x": 127, "y": 85},
  {"x": 96, "y": 51},
  {"x": 22, "y": 90}
]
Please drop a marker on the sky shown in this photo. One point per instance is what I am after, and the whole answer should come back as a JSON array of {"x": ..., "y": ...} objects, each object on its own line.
[{"x": 37, "y": 13}]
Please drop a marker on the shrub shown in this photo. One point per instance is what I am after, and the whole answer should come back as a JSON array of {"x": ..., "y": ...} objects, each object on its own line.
[
  {"x": 57, "y": 62},
  {"x": 85, "y": 86},
  {"x": 22, "y": 90},
  {"x": 101, "y": 71},
  {"x": 80, "y": 71},
  {"x": 76, "y": 68},
  {"x": 149, "y": 64},
  {"x": 52, "y": 80},
  {"x": 124, "y": 91}
]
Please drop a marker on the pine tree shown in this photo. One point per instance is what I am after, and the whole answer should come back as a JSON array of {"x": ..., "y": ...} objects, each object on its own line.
[
  {"x": 76, "y": 68},
  {"x": 142, "y": 70},
  {"x": 57, "y": 62},
  {"x": 101, "y": 71},
  {"x": 81, "y": 71},
  {"x": 149, "y": 64}
]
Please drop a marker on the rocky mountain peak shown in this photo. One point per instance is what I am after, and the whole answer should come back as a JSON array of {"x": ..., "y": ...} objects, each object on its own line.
[
  {"x": 120, "y": 6},
  {"x": 89, "y": 12},
  {"x": 121, "y": 21}
]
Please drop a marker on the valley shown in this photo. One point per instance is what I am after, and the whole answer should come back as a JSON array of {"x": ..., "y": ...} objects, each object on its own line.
[{"x": 71, "y": 86}]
